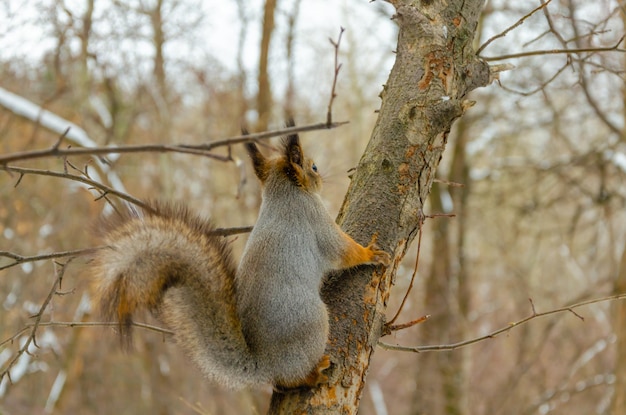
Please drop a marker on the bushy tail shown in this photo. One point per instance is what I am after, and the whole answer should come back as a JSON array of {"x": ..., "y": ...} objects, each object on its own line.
[{"x": 169, "y": 263}]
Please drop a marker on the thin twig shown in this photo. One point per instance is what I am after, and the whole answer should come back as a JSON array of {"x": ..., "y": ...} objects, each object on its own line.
[
  {"x": 83, "y": 178},
  {"x": 448, "y": 183},
  {"x": 21, "y": 259},
  {"x": 244, "y": 138},
  {"x": 333, "y": 94},
  {"x": 52, "y": 152},
  {"x": 532, "y": 306},
  {"x": 72, "y": 324},
  {"x": 417, "y": 261},
  {"x": 395, "y": 327},
  {"x": 60, "y": 139},
  {"x": 199, "y": 149},
  {"x": 389, "y": 326},
  {"x": 105, "y": 190},
  {"x": 506, "y": 31},
  {"x": 539, "y": 88},
  {"x": 59, "y": 271},
  {"x": 441, "y": 215},
  {"x": 614, "y": 48},
  {"x": 534, "y": 315}
]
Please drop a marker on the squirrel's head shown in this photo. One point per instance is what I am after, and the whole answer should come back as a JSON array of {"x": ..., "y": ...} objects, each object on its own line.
[{"x": 291, "y": 166}]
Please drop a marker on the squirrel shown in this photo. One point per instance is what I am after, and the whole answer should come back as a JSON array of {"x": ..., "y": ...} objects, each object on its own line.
[{"x": 261, "y": 322}]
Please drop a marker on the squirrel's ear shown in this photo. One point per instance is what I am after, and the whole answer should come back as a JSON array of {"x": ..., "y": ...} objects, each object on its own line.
[
  {"x": 259, "y": 162},
  {"x": 293, "y": 150}
]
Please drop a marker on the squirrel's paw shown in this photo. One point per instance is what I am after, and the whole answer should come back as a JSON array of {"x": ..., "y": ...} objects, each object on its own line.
[
  {"x": 378, "y": 255},
  {"x": 313, "y": 379},
  {"x": 316, "y": 377},
  {"x": 381, "y": 257}
]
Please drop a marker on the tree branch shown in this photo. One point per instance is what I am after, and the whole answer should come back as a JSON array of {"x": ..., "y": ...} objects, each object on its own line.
[
  {"x": 198, "y": 149},
  {"x": 59, "y": 272},
  {"x": 83, "y": 178},
  {"x": 389, "y": 325},
  {"x": 534, "y": 315},
  {"x": 72, "y": 324},
  {"x": 20, "y": 259},
  {"x": 614, "y": 48},
  {"x": 507, "y": 30}
]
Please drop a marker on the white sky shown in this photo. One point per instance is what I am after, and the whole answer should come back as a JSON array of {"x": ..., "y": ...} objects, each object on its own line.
[{"x": 25, "y": 32}]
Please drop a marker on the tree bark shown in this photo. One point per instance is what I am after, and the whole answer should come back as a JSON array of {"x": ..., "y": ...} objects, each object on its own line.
[{"x": 434, "y": 70}]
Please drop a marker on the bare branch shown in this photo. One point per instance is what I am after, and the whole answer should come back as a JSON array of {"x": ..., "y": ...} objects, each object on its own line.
[
  {"x": 388, "y": 329},
  {"x": 60, "y": 139},
  {"x": 55, "y": 152},
  {"x": 198, "y": 149},
  {"x": 506, "y": 31},
  {"x": 448, "y": 183},
  {"x": 59, "y": 272},
  {"x": 534, "y": 315},
  {"x": 83, "y": 178},
  {"x": 20, "y": 259},
  {"x": 389, "y": 324},
  {"x": 587, "y": 93},
  {"x": 72, "y": 324},
  {"x": 614, "y": 48},
  {"x": 541, "y": 87}
]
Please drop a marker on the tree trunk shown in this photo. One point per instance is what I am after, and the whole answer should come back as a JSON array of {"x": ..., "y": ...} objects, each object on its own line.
[
  {"x": 158, "y": 39},
  {"x": 84, "y": 78},
  {"x": 618, "y": 404},
  {"x": 290, "y": 93},
  {"x": 241, "y": 69},
  {"x": 264, "y": 96},
  {"x": 434, "y": 70},
  {"x": 441, "y": 377}
]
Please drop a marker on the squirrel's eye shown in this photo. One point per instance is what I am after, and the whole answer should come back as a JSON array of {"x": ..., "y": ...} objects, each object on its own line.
[{"x": 314, "y": 167}]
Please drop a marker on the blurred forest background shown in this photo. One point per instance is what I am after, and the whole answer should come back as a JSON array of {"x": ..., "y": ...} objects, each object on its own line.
[{"x": 540, "y": 215}]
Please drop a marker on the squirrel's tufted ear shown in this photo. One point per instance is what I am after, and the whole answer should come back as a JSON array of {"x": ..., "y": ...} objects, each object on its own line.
[
  {"x": 259, "y": 162},
  {"x": 293, "y": 150}
]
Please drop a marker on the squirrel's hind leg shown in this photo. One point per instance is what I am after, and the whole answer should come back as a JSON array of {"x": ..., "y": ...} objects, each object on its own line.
[{"x": 313, "y": 379}]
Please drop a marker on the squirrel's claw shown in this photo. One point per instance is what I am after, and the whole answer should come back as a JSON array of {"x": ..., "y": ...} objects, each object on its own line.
[{"x": 378, "y": 255}]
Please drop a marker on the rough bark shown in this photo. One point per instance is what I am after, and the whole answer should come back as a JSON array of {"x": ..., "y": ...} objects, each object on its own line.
[{"x": 434, "y": 70}]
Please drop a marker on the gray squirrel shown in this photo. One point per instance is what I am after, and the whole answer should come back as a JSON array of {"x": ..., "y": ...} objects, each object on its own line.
[{"x": 261, "y": 322}]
